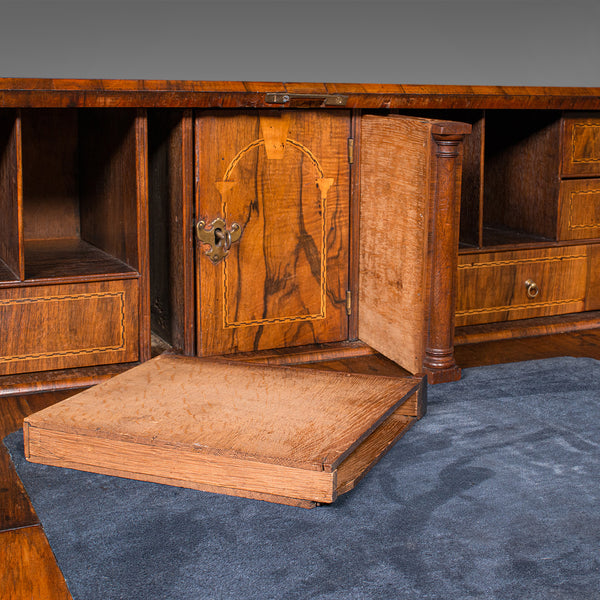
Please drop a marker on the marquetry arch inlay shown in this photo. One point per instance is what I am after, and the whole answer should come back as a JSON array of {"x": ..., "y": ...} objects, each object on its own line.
[{"x": 274, "y": 142}]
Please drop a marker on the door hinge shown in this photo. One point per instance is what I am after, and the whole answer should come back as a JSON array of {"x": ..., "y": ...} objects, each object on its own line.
[
  {"x": 351, "y": 150},
  {"x": 348, "y": 302}
]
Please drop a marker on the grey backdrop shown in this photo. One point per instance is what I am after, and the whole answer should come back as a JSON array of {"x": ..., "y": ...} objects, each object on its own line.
[{"x": 528, "y": 42}]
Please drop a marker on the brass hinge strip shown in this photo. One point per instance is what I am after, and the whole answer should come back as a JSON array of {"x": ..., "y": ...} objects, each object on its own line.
[
  {"x": 351, "y": 150},
  {"x": 348, "y": 302},
  {"x": 326, "y": 99}
]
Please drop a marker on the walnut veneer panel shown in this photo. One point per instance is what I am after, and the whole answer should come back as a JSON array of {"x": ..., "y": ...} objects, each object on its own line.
[
  {"x": 214, "y": 424},
  {"x": 284, "y": 178},
  {"x": 227, "y": 94},
  {"x": 492, "y": 286},
  {"x": 63, "y": 326},
  {"x": 581, "y": 145},
  {"x": 579, "y": 216}
]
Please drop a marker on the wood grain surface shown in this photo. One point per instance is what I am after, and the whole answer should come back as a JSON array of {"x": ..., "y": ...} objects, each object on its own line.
[
  {"x": 522, "y": 169},
  {"x": 491, "y": 286},
  {"x": 209, "y": 424},
  {"x": 15, "y": 507},
  {"x": 532, "y": 327},
  {"x": 584, "y": 343},
  {"x": 70, "y": 259},
  {"x": 579, "y": 209},
  {"x": 63, "y": 326},
  {"x": 581, "y": 145},
  {"x": 50, "y": 174},
  {"x": 277, "y": 415},
  {"x": 109, "y": 151},
  {"x": 370, "y": 451},
  {"x": 171, "y": 207},
  {"x": 284, "y": 178},
  {"x": 11, "y": 196},
  {"x": 393, "y": 280},
  {"x": 27, "y": 567},
  {"x": 106, "y": 93}
]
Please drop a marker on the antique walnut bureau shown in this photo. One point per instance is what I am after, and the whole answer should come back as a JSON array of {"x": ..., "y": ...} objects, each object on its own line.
[{"x": 286, "y": 224}]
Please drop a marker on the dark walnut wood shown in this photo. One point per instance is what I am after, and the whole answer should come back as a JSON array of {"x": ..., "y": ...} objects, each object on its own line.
[
  {"x": 28, "y": 568},
  {"x": 15, "y": 508},
  {"x": 231, "y": 94},
  {"x": 101, "y": 181},
  {"x": 283, "y": 177}
]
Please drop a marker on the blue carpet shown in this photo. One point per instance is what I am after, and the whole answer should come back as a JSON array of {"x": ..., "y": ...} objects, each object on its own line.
[{"x": 495, "y": 494}]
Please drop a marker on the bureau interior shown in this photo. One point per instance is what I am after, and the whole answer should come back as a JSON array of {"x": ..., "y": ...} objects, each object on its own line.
[
  {"x": 521, "y": 177},
  {"x": 70, "y": 176}
]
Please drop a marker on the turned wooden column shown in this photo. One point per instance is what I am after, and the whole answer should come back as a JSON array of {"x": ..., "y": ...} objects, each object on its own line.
[{"x": 439, "y": 363}]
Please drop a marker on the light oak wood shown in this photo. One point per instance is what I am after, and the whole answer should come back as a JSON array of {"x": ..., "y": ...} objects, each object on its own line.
[
  {"x": 360, "y": 462},
  {"x": 393, "y": 280},
  {"x": 208, "y": 424},
  {"x": 27, "y": 567},
  {"x": 403, "y": 298}
]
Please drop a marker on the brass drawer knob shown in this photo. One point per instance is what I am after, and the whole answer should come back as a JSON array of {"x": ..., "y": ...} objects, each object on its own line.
[{"x": 532, "y": 288}]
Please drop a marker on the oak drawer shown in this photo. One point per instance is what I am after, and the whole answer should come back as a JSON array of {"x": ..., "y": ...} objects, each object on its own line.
[
  {"x": 64, "y": 326},
  {"x": 579, "y": 209},
  {"x": 581, "y": 145},
  {"x": 494, "y": 286}
]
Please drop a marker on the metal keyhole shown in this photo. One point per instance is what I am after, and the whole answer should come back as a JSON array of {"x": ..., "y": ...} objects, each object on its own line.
[
  {"x": 217, "y": 237},
  {"x": 223, "y": 239}
]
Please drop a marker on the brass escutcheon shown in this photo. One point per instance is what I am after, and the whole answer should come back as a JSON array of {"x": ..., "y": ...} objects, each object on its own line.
[{"x": 218, "y": 238}]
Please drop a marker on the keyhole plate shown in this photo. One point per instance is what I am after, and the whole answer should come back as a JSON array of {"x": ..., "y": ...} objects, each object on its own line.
[{"x": 218, "y": 238}]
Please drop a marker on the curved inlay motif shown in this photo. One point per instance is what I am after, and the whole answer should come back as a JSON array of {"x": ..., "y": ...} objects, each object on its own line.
[{"x": 323, "y": 184}]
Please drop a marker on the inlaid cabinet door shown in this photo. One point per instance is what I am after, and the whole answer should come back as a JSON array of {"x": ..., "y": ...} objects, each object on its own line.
[{"x": 272, "y": 205}]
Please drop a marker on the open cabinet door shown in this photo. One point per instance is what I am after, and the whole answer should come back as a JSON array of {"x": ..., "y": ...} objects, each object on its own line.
[{"x": 409, "y": 219}]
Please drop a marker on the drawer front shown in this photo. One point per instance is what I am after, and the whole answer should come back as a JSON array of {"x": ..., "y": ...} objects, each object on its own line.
[
  {"x": 581, "y": 145},
  {"x": 504, "y": 286},
  {"x": 579, "y": 212},
  {"x": 64, "y": 326}
]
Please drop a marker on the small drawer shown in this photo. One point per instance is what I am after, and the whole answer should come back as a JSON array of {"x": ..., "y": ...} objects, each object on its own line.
[
  {"x": 505, "y": 286},
  {"x": 64, "y": 326},
  {"x": 581, "y": 145},
  {"x": 579, "y": 209}
]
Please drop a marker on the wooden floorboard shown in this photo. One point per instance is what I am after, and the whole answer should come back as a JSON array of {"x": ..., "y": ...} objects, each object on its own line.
[{"x": 28, "y": 569}]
